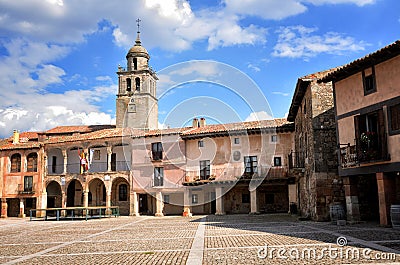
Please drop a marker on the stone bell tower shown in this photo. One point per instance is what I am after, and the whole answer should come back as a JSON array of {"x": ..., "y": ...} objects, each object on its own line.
[{"x": 137, "y": 105}]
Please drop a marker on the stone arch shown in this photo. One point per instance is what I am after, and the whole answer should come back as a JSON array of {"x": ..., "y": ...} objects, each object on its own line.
[
  {"x": 15, "y": 162},
  {"x": 55, "y": 161},
  {"x": 74, "y": 193},
  {"x": 120, "y": 194},
  {"x": 54, "y": 194},
  {"x": 97, "y": 194},
  {"x": 32, "y": 162}
]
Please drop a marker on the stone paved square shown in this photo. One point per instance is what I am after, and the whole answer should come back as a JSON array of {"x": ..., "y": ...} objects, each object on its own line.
[{"x": 230, "y": 239}]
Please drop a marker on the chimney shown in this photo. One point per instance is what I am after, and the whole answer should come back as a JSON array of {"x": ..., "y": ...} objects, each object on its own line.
[
  {"x": 16, "y": 137},
  {"x": 195, "y": 123},
  {"x": 202, "y": 122}
]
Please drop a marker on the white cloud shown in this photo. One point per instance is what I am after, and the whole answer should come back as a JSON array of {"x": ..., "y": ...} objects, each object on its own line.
[
  {"x": 260, "y": 115},
  {"x": 169, "y": 24},
  {"x": 27, "y": 105},
  {"x": 267, "y": 9},
  {"x": 300, "y": 41},
  {"x": 253, "y": 67},
  {"x": 281, "y": 93},
  {"x": 357, "y": 2}
]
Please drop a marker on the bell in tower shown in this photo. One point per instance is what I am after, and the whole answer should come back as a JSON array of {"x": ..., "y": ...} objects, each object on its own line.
[{"x": 137, "y": 105}]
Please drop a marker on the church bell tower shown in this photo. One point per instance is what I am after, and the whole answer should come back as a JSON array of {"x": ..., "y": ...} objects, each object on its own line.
[{"x": 137, "y": 104}]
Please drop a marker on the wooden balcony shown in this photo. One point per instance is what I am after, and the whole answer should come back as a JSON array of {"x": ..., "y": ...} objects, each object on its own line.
[{"x": 354, "y": 156}]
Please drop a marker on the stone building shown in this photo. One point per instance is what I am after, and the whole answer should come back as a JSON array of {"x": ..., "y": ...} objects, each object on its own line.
[
  {"x": 313, "y": 161},
  {"x": 225, "y": 168},
  {"x": 367, "y": 104}
]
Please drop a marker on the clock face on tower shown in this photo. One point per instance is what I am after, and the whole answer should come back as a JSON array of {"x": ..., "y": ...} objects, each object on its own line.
[{"x": 131, "y": 108}]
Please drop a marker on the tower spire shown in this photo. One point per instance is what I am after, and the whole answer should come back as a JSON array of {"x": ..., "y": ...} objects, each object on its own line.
[{"x": 138, "y": 42}]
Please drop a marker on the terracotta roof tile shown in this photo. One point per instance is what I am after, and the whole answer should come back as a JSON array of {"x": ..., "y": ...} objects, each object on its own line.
[
  {"x": 237, "y": 127},
  {"x": 78, "y": 129}
]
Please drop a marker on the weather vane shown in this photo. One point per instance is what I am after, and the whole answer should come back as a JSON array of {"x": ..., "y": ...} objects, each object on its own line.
[{"x": 138, "y": 24}]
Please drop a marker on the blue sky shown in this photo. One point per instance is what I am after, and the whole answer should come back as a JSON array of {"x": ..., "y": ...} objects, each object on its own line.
[{"x": 58, "y": 58}]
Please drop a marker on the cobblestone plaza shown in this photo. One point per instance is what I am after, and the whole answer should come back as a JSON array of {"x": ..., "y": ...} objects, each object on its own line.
[{"x": 231, "y": 239}]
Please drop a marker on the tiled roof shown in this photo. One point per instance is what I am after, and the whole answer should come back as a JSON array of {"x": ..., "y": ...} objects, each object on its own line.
[
  {"x": 381, "y": 55},
  {"x": 300, "y": 90},
  {"x": 78, "y": 129},
  {"x": 237, "y": 127},
  {"x": 62, "y": 134},
  {"x": 96, "y": 135}
]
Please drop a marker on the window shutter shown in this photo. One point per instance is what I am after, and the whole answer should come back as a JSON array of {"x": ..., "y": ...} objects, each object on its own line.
[
  {"x": 382, "y": 134},
  {"x": 357, "y": 132}
]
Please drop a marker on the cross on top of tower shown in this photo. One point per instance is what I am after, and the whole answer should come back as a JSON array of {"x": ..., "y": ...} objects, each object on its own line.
[{"x": 138, "y": 24}]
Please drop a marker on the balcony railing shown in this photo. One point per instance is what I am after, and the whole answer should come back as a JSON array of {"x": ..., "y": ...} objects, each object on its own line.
[
  {"x": 26, "y": 189},
  {"x": 94, "y": 167},
  {"x": 353, "y": 155},
  {"x": 296, "y": 160},
  {"x": 235, "y": 173}
]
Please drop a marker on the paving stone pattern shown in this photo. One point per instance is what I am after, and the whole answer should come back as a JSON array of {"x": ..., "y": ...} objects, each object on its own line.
[{"x": 232, "y": 239}]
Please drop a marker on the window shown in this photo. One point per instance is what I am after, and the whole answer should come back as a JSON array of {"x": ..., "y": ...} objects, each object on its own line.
[
  {"x": 394, "y": 119},
  {"x": 96, "y": 155},
  {"x": 250, "y": 164},
  {"x": 128, "y": 85},
  {"x": 305, "y": 106},
  {"x": 166, "y": 198},
  {"x": 200, "y": 143},
  {"x": 158, "y": 176},
  {"x": 157, "y": 151},
  {"x": 369, "y": 81},
  {"x": 28, "y": 184},
  {"x": 195, "y": 198},
  {"x": 134, "y": 63},
  {"x": 236, "y": 141},
  {"x": 113, "y": 162},
  {"x": 123, "y": 192},
  {"x": 245, "y": 198},
  {"x": 204, "y": 169},
  {"x": 274, "y": 138},
  {"x": 370, "y": 133},
  {"x": 53, "y": 164},
  {"x": 277, "y": 161},
  {"x": 16, "y": 163},
  {"x": 137, "y": 83},
  {"x": 32, "y": 162}
]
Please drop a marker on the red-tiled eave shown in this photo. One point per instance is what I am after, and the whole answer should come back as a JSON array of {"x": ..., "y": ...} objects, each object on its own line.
[
  {"x": 300, "y": 90},
  {"x": 390, "y": 51},
  {"x": 101, "y": 134},
  {"x": 10, "y": 146},
  {"x": 239, "y": 127},
  {"x": 78, "y": 129}
]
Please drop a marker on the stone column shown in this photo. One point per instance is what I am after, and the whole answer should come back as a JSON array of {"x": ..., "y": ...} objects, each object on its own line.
[
  {"x": 292, "y": 193},
  {"x": 351, "y": 195},
  {"x": 109, "y": 153},
  {"x": 386, "y": 195},
  {"x": 133, "y": 204},
  {"x": 187, "y": 208},
  {"x": 159, "y": 204},
  {"x": 65, "y": 156},
  {"x": 219, "y": 201},
  {"x": 63, "y": 202},
  {"x": 108, "y": 202},
  {"x": 21, "y": 209},
  {"x": 4, "y": 208},
  {"x": 85, "y": 198},
  {"x": 43, "y": 205},
  {"x": 253, "y": 202}
]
